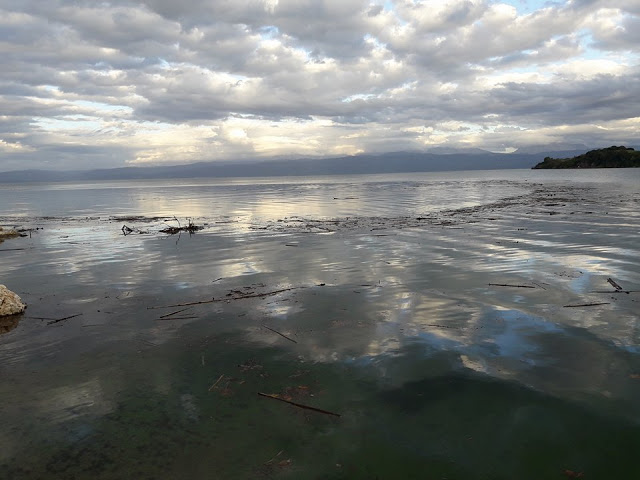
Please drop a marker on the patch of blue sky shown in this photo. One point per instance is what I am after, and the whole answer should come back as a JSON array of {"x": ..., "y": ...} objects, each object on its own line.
[
  {"x": 389, "y": 6},
  {"x": 102, "y": 106},
  {"x": 522, "y": 6},
  {"x": 591, "y": 52},
  {"x": 529, "y": 6},
  {"x": 71, "y": 123},
  {"x": 358, "y": 96},
  {"x": 269, "y": 32},
  {"x": 376, "y": 42}
]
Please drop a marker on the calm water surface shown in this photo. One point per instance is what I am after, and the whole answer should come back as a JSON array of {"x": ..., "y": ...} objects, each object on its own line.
[{"x": 378, "y": 298}]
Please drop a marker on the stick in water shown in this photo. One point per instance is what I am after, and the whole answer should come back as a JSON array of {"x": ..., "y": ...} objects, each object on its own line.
[
  {"x": 614, "y": 284},
  {"x": 64, "y": 318},
  {"x": 299, "y": 405},
  {"x": 217, "y": 382},
  {"x": 183, "y": 304},
  {"x": 509, "y": 285},
  {"x": 281, "y": 334},
  {"x": 587, "y": 304},
  {"x": 174, "y": 313}
]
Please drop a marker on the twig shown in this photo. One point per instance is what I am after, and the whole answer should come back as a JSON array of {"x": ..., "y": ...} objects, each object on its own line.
[
  {"x": 178, "y": 318},
  {"x": 614, "y": 284},
  {"x": 509, "y": 285},
  {"x": 299, "y": 405},
  {"x": 587, "y": 304},
  {"x": 12, "y": 249},
  {"x": 615, "y": 291},
  {"x": 217, "y": 381},
  {"x": 173, "y": 313},
  {"x": 64, "y": 318},
  {"x": 275, "y": 456},
  {"x": 281, "y": 334},
  {"x": 183, "y": 304},
  {"x": 217, "y": 280},
  {"x": 257, "y": 295}
]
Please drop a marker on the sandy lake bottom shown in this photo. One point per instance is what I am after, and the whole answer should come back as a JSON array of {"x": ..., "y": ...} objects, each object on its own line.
[{"x": 438, "y": 329}]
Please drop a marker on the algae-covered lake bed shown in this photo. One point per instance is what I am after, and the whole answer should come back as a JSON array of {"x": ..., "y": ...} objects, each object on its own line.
[{"x": 464, "y": 325}]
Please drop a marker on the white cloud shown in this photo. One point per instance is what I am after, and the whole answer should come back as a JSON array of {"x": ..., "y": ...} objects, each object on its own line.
[{"x": 89, "y": 84}]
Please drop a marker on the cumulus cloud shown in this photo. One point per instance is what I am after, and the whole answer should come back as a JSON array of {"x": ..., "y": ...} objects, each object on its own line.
[{"x": 95, "y": 84}]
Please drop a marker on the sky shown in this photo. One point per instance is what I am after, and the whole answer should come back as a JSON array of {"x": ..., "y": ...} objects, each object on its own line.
[{"x": 98, "y": 84}]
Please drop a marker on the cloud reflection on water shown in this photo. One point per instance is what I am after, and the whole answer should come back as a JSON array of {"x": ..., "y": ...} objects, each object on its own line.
[{"x": 413, "y": 304}]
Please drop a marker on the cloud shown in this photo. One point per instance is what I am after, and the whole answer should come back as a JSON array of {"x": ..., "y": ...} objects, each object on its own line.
[{"x": 88, "y": 84}]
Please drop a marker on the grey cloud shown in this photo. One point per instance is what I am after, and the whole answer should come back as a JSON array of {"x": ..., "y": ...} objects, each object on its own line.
[
  {"x": 602, "y": 98},
  {"x": 625, "y": 37},
  {"x": 353, "y": 62}
]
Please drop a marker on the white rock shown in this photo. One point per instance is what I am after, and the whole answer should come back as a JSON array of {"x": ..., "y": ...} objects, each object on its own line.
[
  {"x": 10, "y": 303},
  {"x": 8, "y": 233}
]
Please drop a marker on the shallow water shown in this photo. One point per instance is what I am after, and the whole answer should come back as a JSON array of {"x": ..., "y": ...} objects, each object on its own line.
[{"x": 383, "y": 294}]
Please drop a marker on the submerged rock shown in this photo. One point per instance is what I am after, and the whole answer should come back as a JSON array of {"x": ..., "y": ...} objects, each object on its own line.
[
  {"x": 10, "y": 303},
  {"x": 8, "y": 323}
]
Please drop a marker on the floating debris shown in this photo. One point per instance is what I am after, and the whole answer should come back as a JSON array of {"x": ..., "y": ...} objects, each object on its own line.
[
  {"x": 594, "y": 304},
  {"x": 299, "y": 405},
  {"x": 510, "y": 285},
  {"x": 190, "y": 227},
  {"x": 281, "y": 334},
  {"x": 614, "y": 284}
]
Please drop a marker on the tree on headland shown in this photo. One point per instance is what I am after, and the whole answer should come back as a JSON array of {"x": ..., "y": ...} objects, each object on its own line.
[{"x": 611, "y": 157}]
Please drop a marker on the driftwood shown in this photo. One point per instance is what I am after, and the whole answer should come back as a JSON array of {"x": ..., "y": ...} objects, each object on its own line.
[
  {"x": 242, "y": 296},
  {"x": 281, "y": 334},
  {"x": 217, "y": 382},
  {"x": 175, "y": 313},
  {"x": 615, "y": 291},
  {"x": 190, "y": 227},
  {"x": 510, "y": 285},
  {"x": 179, "y": 318},
  {"x": 299, "y": 405},
  {"x": 200, "y": 302},
  {"x": 614, "y": 284},
  {"x": 238, "y": 296},
  {"x": 587, "y": 304},
  {"x": 128, "y": 230},
  {"x": 61, "y": 319}
]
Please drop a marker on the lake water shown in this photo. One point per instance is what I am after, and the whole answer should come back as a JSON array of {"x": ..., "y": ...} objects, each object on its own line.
[{"x": 461, "y": 324}]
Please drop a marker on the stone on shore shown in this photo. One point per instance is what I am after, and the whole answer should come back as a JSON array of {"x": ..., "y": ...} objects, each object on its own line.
[
  {"x": 10, "y": 303},
  {"x": 10, "y": 233}
]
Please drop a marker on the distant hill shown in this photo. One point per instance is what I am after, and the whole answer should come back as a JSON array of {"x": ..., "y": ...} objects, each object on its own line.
[
  {"x": 398, "y": 162},
  {"x": 611, "y": 157}
]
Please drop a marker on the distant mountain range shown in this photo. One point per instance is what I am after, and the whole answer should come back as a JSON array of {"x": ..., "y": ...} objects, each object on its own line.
[{"x": 398, "y": 162}]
